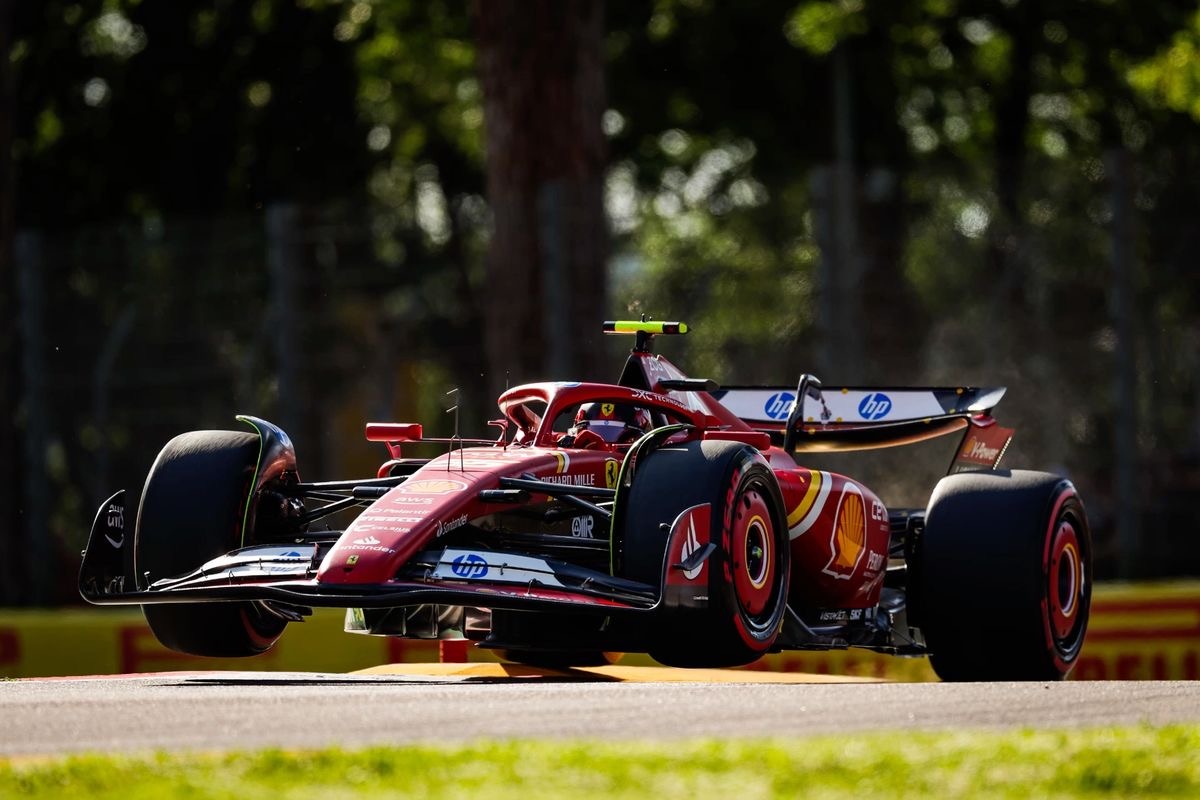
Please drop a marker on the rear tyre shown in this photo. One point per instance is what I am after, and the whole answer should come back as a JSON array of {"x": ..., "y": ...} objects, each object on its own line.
[
  {"x": 193, "y": 509},
  {"x": 1004, "y": 580},
  {"x": 748, "y": 573}
]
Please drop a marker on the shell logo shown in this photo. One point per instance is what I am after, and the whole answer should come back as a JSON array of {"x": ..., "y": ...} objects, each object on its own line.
[
  {"x": 849, "y": 534},
  {"x": 434, "y": 486}
]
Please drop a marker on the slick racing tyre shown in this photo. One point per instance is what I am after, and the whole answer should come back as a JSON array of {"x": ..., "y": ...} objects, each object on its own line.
[
  {"x": 193, "y": 509},
  {"x": 748, "y": 573},
  {"x": 1004, "y": 577}
]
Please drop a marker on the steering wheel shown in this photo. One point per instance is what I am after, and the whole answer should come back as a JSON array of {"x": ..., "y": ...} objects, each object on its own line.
[{"x": 589, "y": 440}]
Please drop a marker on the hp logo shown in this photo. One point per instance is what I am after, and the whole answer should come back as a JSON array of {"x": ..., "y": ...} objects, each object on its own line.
[
  {"x": 875, "y": 406},
  {"x": 469, "y": 566},
  {"x": 779, "y": 405}
]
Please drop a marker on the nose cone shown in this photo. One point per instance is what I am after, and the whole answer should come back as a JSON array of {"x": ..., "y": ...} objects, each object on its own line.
[
  {"x": 444, "y": 495},
  {"x": 399, "y": 525}
]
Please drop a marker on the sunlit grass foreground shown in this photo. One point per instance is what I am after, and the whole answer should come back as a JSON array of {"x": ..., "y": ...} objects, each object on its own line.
[{"x": 1124, "y": 762}]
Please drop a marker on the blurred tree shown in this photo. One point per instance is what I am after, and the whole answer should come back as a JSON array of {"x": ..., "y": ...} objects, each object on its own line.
[
  {"x": 1172, "y": 76},
  {"x": 182, "y": 108},
  {"x": 419, "y": 94},
  {"x": 861, "y": 119},
  {"x": 956, "y": 152},
  {"x": 11, "y": 550},
  {"x": 885, "y": 192},
  {"x": 542, "y": 70},
  {"x": 176, "y": 117},
  {"x": 767, "y": 166}
]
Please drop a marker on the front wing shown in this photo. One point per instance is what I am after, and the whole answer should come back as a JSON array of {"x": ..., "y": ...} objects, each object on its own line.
[{"x": 282, "y": 574}]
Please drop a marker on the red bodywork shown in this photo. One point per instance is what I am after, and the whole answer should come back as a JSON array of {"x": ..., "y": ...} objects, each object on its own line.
[{"x": 838, "y": 528}]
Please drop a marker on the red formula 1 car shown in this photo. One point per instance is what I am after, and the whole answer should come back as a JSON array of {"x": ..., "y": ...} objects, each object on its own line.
[{"x": 660, "y": 514}]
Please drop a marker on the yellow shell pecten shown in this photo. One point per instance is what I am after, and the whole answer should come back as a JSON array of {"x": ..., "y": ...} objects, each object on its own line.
[{"x": 851, "y": 532}]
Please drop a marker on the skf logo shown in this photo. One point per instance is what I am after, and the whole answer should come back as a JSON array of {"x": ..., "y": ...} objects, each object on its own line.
[
  {"x": 849, "y": 537},
  {"x": 779, "y": 405},
  {"x": 874, "y": 406},
  {"x": 469, "y": 566}
]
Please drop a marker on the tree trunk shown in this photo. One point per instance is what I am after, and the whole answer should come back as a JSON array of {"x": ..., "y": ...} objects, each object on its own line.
[
  {"x": 860, "y": 220},
  {"x": 1007, "y": 256},
  {"x": 11, "y": 548},
  {"x": 542, "y": 72}
]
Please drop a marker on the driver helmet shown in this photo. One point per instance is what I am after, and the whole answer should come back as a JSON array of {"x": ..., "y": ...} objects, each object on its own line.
[{"x": 616, "y": 423}]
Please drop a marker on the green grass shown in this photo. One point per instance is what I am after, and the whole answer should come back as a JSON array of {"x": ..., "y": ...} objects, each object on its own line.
[{"x": 1119, "y": 762}]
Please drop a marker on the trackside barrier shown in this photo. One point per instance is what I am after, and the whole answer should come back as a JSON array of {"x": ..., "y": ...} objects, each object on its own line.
[
  {"x": 1143, "y": 633},
  {"x": 1137, "y": 632}
]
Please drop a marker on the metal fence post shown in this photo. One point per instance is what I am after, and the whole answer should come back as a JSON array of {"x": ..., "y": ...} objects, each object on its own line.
[
  {"x": 27, "y": 251},
  {"x": 1125, "y": 450},
  {"x": 283, "y": 268}
]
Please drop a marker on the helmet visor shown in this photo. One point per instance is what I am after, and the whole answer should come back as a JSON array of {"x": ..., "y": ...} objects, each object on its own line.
[{"x": 610, "y": 430}]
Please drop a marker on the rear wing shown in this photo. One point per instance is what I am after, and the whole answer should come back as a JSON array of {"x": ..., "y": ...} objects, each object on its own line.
[
  {"x": 826, "y": 420},
  {"x": 865, "y": 418}
]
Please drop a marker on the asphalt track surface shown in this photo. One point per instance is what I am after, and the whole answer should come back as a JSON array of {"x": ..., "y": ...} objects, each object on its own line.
[{"x": 219, "y": 711}]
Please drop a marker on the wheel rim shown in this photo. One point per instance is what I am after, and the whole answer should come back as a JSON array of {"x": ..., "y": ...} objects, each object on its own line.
[
  {"x": 1067, "y": 584},
  {"x": 1066, "y": 580},
  {"x": 754, "y": 560}
]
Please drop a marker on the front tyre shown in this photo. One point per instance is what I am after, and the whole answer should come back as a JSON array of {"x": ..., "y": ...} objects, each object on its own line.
[
  {"x": 748, "y": 573},
  {"x": 1005, "y": 576},
  {"x": 194, "y": 507}
]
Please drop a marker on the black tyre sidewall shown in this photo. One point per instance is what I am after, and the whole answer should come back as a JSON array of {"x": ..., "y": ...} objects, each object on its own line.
[
  {"x": 981, "y": 581},
  {"x": 671, "y": 480},
  {"x": 193, "y": 509}
]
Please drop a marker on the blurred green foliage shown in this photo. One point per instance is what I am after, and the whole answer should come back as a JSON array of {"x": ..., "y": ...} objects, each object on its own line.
[
  {"x": 970, "y": 141},
  {"x": 1172, "y": 77}
]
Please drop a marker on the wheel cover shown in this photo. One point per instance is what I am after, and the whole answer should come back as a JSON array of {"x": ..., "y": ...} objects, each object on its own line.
[
  {"x": 753, "y": 559},
  {"x": 1067, "y": 589}
]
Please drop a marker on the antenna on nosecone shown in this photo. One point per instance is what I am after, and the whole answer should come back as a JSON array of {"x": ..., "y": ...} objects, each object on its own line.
[{"x": 456, "y": 438}]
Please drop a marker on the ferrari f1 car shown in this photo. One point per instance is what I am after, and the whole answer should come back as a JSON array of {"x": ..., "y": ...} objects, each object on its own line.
[{"x": 660, "y": 514}]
